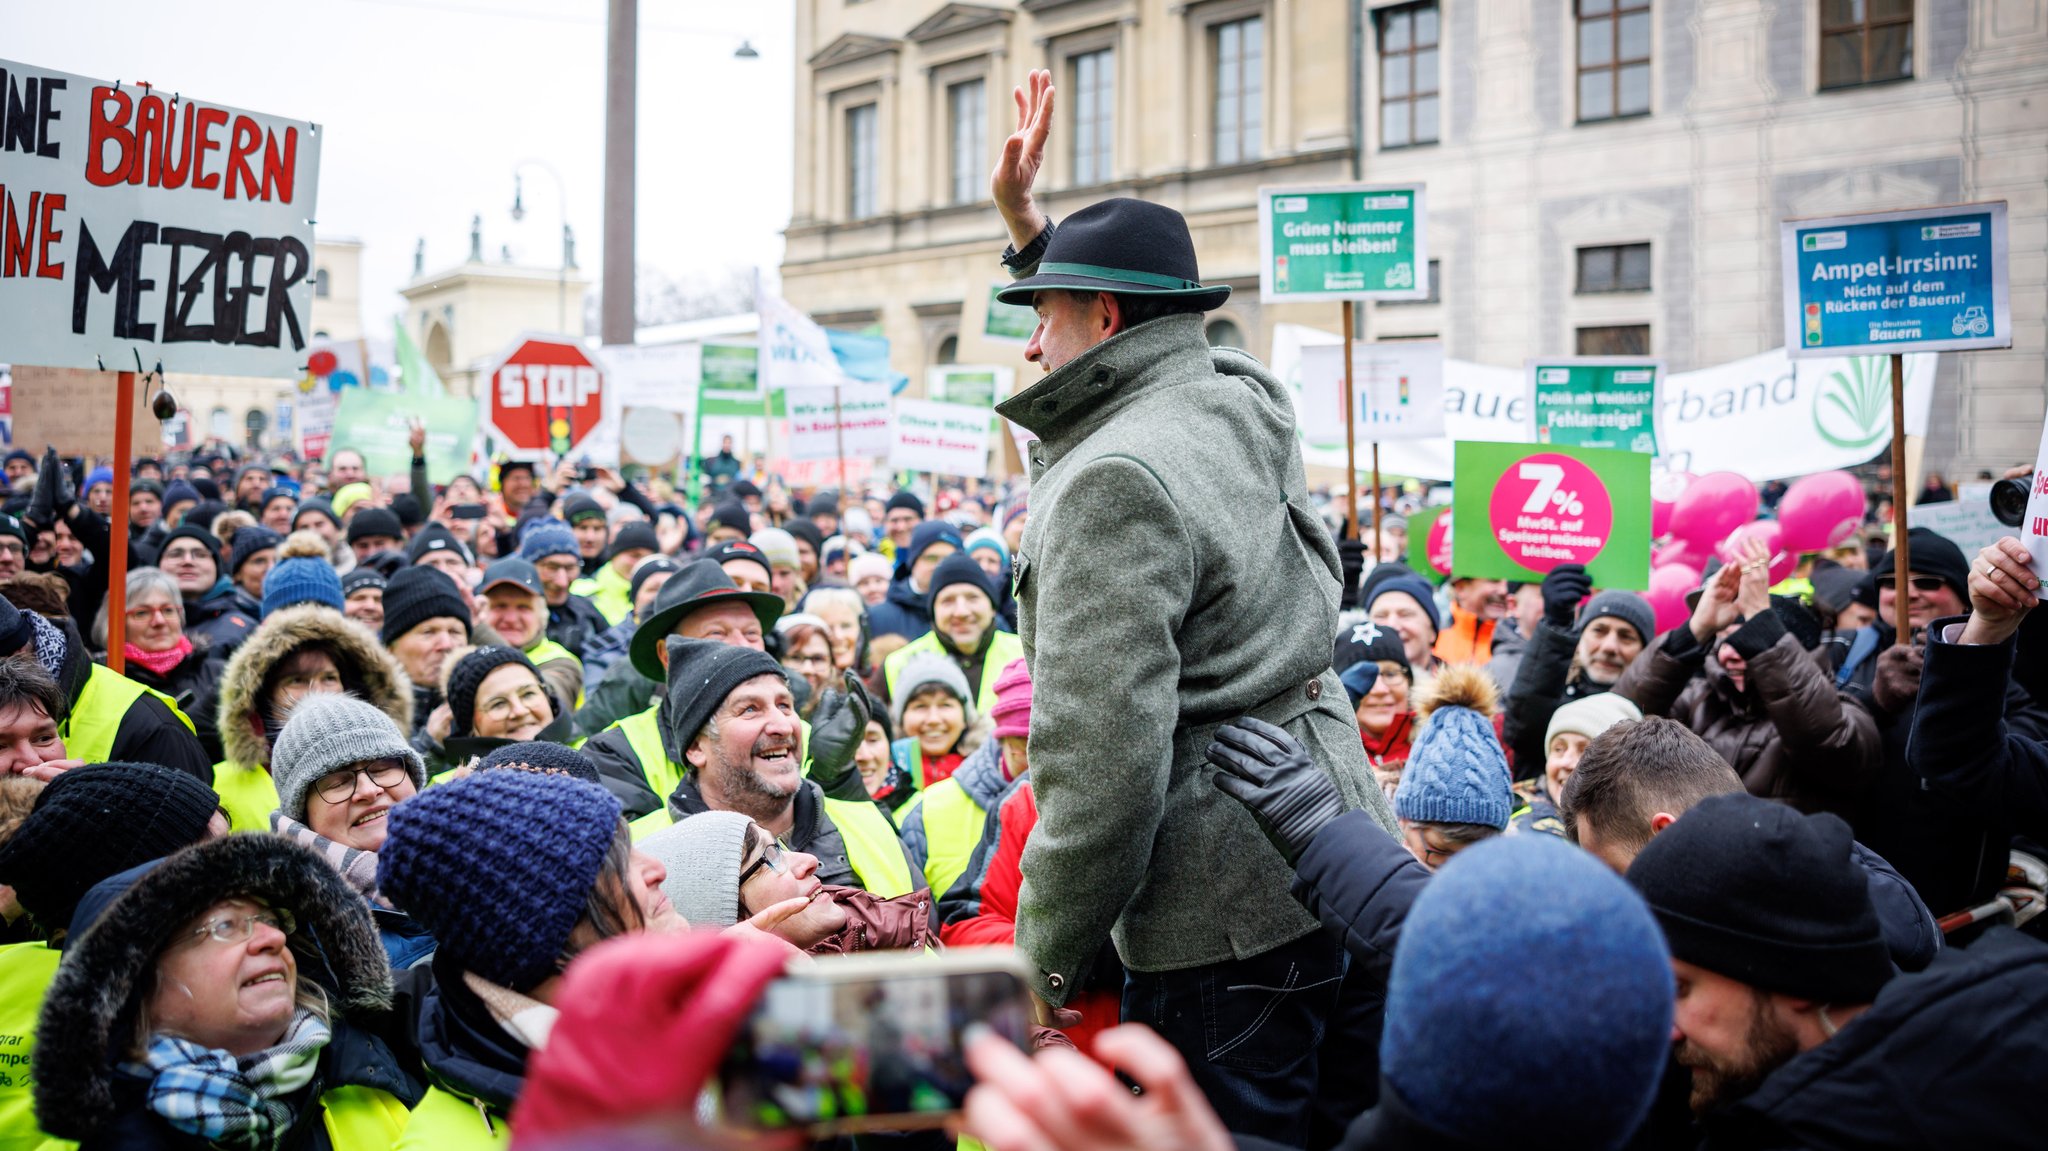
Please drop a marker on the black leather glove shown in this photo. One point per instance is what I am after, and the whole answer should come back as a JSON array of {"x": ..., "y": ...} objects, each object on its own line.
[
  {"x": 1563, "y": 588},
  {"x": 838, "y": 724},
  {"x": 1269, "y": 772},
  {"x": 54, "y": 495},
  {"x": 1351, "y": 560}
]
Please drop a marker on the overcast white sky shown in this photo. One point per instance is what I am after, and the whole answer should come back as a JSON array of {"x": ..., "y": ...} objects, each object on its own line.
[{"x": 426, "y": 106}]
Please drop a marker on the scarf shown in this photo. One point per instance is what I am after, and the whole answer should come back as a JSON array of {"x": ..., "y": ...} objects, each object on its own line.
[
  {"x": 357, "y": 867},
  {"x": 242, "y": 1103},
  {"x": 159, "y": 663},
  {"x": 50, "y": 645},
  {"x": 523, "y": 1017}
]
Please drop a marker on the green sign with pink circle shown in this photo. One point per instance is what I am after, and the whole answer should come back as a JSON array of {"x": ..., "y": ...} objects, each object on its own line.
[{"x": 1521, "y": 510}]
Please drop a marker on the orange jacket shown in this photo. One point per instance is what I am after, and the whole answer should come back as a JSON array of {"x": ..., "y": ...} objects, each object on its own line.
[{"x": 1469, "y": 639}]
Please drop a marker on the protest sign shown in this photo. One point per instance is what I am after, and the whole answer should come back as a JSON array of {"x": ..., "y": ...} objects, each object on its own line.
[
  {"x": 828, "y": 423},
  {"x": 316, "y": 423},
  {"x": 379, "y": 425},
  {"x": 976, "y": 385},
  {"x": 2034, "y": 528},
  {"x": 1009, "y": 323},
  {"x": 950, "y": 439},
  {"x": 795, "y": 351},
  {"x": 1342, "y": 242},
  {"x": 69, "y": 409},
  {"x": 1595, "y": 402},
  {"x": 1965, "y": 521},
  {"x": 147, "y": 227},
  {"x": 1431, "y": 562},
  {"x": 649, "y": 436},
  {"x": 647, "y": 379},
  {"x": 1523, "y": 509},
  {"x": 1927, "y": 280},
  {"x": 1398, "y": 392}
]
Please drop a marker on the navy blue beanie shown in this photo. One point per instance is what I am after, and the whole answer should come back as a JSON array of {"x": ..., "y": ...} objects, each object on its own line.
[
  {"x": 928, "y": 533},
  {"x": 543, "y": 757},
  {"x": 957, "y": 568},
  {"x": 498, "y": 866},
  {"x": 1415, "y": 588},
  {"x": 248, "y": 542},
  {"x": 1476, "y": 960}
]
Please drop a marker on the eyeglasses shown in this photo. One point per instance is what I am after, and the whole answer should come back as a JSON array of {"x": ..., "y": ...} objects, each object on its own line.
[
  {"x": 808, "y": 660},
  {"x": 153, "y": 611},
  {"x": 237, "y": 928},
  {"x": 771, "y": 858},
  {"x": 559, "y": 567},
  {"x": 12, "y": 548},
  {"x": 1927, "y": 583},
  {"x": 186, "y": 554},
  {"x": 337, "y": 786},
  {"x": 531, "y": 697}
]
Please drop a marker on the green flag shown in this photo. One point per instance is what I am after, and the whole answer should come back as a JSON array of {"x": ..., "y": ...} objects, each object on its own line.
[{"x": 414, "y": 374}]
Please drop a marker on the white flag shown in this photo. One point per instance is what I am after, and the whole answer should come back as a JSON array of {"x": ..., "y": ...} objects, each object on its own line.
[{"x": 795, "y": 352}]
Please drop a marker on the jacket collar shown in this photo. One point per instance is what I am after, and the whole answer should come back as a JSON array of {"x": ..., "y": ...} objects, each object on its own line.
[
  {"x": 464, "y": 1050},
  {"x": 1064, "y": 407},
  {"x": 688, "y": 800},
  {"x": 981, "y": 777}
]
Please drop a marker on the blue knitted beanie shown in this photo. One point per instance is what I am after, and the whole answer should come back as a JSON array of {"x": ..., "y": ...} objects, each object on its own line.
[
  {"x": 248, "y": 542},
  {"x": 301, "y": 579},
  {"x": 1528, "y": 1023},
  {"x": 1456, "y": 771},
  {"x": 1415, "y": 588},
  {"x": 546, "y": 538},
  {"x": 498, "y": 867}
]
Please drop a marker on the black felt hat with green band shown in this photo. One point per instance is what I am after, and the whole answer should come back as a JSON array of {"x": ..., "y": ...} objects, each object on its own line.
[{"x": 1130, "y": 247}]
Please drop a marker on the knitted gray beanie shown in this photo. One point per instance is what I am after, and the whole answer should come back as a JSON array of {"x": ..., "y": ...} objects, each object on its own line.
[
  {"x": 327, "y": 732},
  {"x": 702, "y": 855},
  {"x": 930, "y": 669}
]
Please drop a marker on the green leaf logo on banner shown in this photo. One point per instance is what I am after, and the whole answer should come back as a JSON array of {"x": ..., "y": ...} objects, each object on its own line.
[{"x": 1853, "y": 408}]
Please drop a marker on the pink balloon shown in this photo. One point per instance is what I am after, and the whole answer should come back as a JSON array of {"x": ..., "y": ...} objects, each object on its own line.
[
  {"x": 1668, "y": 586},
  {"x": 1772, "y": 536},
  {"x": 1438, "y": 545},
  {"x": 1821, "y": 510},
  {"x": 1679, "y": 552},
  {"x": 1714, "y": 505},
  {"x": 1664, "y": 492}
]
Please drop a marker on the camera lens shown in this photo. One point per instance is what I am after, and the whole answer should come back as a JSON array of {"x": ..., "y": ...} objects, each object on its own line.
[{"x": 2009, "y": 501}]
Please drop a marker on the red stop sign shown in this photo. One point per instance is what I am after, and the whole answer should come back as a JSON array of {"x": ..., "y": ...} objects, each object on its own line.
[{"x": 545, "y": 396}]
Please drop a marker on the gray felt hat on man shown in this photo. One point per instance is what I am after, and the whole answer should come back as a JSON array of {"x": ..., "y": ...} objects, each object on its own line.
[
  {"x": 327, "y": 732},
  {"x": 702, "y": 855}
]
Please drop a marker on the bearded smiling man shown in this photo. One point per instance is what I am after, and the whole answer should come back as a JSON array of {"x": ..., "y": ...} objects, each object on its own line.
[{"x": 737, "y": 731}]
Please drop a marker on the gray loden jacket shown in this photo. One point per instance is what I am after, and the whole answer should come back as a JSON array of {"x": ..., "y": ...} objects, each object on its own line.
[{"x": 1172, "y": 578}]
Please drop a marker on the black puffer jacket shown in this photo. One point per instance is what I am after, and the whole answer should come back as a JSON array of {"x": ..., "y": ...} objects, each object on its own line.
[
  {"x": 223, "y": 617},
  {"x": 1953, "y": 1057},
  {"x": 195, "y": 683}
]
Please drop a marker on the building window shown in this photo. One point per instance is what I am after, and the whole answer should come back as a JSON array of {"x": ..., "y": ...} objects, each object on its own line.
[
  {"x": 1239, "y": 50},
  {"x": 1408, "y": 90},
  {"x": 860, "y": 161},
  {"x": 1436, "y": 292},
  {"x": 1614, "y": 59},
  {"x": 320, "y": 283},
  {"x": 1614, "y": 268},
  {"x": 1865, "y": 42},
  {"x": 967, "y": 106},
  {"x": 1094, "y": 88},
  {"x": 1615, "y": 340},
  {"x": 220, "y": 424},
  {"x": 949, "y": 351},
  {"x": 1225, "y": 334}
]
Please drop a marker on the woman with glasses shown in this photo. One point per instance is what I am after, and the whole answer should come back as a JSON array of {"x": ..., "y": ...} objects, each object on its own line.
[
  {"x": 297, "y": 652},
  {"x": 340, "y": 766},
  {"x": 807, "y": 653},
  {"x": 222, "y": 999},
  {"x": 723, "y": 868},
  {"x": 495, "y": 697},
  {"x": 160, "y": 655}
]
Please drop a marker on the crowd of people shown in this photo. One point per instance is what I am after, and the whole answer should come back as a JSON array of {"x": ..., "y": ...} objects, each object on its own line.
[{"x": 459, "y": 811}]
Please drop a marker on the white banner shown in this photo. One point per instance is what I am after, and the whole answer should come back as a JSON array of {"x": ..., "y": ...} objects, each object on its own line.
[
  {"x": 146, "y": 227},
  {"x": 1763, "y": 417},
  {"x": 795, "y": 352},
  {"x": 815, "y": 424},
  {"x": 1398, "y": 389},
  {"x": 950, "y": 439},
  {"x": 660, "y": 377}
]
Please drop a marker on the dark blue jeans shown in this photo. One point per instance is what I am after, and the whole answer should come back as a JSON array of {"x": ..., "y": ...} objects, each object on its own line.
[{"x": 1284, "y": 1046}]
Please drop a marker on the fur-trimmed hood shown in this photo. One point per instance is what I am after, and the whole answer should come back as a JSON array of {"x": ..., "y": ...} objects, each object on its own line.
[
  {"x": 384, "y": 682},
  {"x": 93, "y": 998}
]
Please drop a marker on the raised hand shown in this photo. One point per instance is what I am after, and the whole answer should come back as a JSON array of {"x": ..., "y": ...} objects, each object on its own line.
[
  {"x": 1716, "y": 608},
  {"x": 1753, "y": 590},
  {"x": 2003, "y": 589},
  {"x": 1023, "y": 155}
]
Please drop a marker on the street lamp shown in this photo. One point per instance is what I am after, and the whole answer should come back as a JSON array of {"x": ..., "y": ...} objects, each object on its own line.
[{"x": 568, "y": 237}]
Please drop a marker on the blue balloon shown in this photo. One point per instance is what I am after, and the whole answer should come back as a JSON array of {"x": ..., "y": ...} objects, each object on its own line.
[
  {"x": 343, "y": 379},
  {"x": 378, "y": 376}
]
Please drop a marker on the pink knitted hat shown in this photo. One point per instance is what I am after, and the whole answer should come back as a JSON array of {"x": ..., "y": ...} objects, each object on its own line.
[{"x": 1012, "y": 711}]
